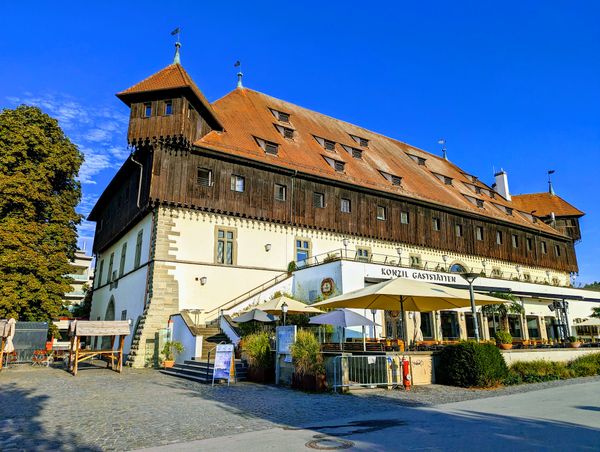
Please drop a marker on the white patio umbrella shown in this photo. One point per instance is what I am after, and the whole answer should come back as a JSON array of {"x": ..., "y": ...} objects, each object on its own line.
[
  {"x": 293, "y": 306},
  {"x": 9, "y": 332},
  {"x": 418, "y": 334},
  {"x": 408, "y": 295},
  {"x": 343, "y": 318},
  {"x": 256, "y": 315}
]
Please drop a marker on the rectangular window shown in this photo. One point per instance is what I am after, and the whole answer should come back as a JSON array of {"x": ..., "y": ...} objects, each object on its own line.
[
  {"x": 204, "y": 177},
  {"x": 110, "y": 267},
  {"x": 499, "y": 238},
  {"x": 345, "y": 205},
  {"x": 363, "y": 142},
  {"x": 557, "y": 250},
  {"x": 283, "y": 117},
  {"x": 436, "y": 224},
  {"x": 357, "y": 153},
  {"x": 515, "y": 241},
  {"x": 496, "y": 272},
  {"x": 533, "y": 328},
  {"x": 318, "y": 200},
  {"x": 302, "y": 250},
  {"x": 280, "y": 192},
  {"x": 288, "y": 133},
  {"x": 329, "y": 145},
  {"x": 225, "y": 246},
  {"x": 529, "y": 242},
  {"x": 447, "y": 180},
  {"x": 168, "y": 107},
  {"x": 396, "y": 180},
  {"x": 459, "y": 230},
  {"x": 544, "y": 247},
  {"x": 123, "y": 257},
  {"x": 479, "y": 203},
  {"x": 381, "y": 213},
  {"x": 238, "y": 183},
  {"x": 427, "y": 325},
  {"x": 404, "y": 217},
  {"x": 479, "y": 233},
  {"x": 147, "y": 109},
  {"x": 273, "y": 148},
  {"x": 100, "y": 273},
  {"x": 138, "y": 249},
  {"x": 363, "y": 254}
]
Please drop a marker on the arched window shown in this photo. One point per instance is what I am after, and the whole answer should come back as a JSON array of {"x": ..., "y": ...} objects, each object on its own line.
[{"x": 457, "y": 268}]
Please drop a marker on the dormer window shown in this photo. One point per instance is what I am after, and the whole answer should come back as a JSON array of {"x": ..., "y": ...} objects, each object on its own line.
[
  {"x": 281, "y": 116},
  {"x": 168, "y": 107},
  {"x": 363, "y": 142},
  {"x": 480, "y": 203},
  {"x": 147, "y": 109},
  {"x": 328, "y": 145},
  {"x": 286, "y": 132},
  {"x": 445, "y": 179},
  {"x": 418, "y": 160},
  {"x": 357, "y": 153},
  {"x": 335, "y": 164},
  {"x": 395, "y": 180},
  {"x": 268, "y": 146}
]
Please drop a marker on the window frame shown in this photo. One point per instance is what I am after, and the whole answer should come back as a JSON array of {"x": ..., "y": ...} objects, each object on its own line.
[
  {"x": 226, "y": 240},
  {"x": 436, "y": 224},
  {"x": 147, "y": 109},
  {"x": 479, "y": 233},
  {"x": 363, "y": 254},
  {"x": 123, "y": 258},
  {"x": 499, "y": 238},
  {"x": 278, "y": 189},
  {"x": 168, "y": 108},
  {"x": 139, "y": 242},
  {"x": 349, "y": 203},
  {"x": 302, "y": 248},
  {"x": 459, "y": 230},
  {"x": 404, "y": 217},
  {"x": 210, "y": 180},
  {"x": 381, "y": 213},
  {"x": 233, "y": 183},
  {"x": 321, "y": 197}
]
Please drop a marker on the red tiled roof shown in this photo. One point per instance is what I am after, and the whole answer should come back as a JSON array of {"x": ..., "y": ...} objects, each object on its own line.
[
  {"x": 173, "y": 76},
  {"x": 544, "y": 204},
  {"x": 246, "y": 114}
]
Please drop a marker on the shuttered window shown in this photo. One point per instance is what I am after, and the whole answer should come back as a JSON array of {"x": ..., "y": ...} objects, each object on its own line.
[
  {"x": 280, "y": 192},
  {"x": 318, "y": 200}
]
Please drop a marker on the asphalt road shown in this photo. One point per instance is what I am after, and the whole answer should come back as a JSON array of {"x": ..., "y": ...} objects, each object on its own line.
[{"x": 562, "y": 418}]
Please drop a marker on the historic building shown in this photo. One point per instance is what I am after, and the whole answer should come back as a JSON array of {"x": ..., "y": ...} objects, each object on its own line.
[{"x": 220, "y": 198}]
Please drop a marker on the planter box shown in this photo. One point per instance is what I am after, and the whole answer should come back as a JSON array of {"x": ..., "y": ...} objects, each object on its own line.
[
  {"x": 575, "y": 344},
  {"x": 261, "y": 374},
  {"x": 168, "y": 364},
  {"x": 312, "y": 383},
  {"x": 505, "y": 346}
]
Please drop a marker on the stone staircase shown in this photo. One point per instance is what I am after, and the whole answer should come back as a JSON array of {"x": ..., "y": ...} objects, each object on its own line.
[{"x": 202, "y": 370}]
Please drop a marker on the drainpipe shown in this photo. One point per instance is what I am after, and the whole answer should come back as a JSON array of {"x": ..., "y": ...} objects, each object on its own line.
[{"x": 139, "y": 194}]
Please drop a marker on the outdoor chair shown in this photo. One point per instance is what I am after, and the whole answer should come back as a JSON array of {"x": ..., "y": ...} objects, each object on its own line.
[
  {"x": 10, "y": 358},
  {"x": 41, "y": 358}
]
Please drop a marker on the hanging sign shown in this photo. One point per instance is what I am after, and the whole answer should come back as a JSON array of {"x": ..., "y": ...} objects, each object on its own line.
[{"x": 223, "y": 364}]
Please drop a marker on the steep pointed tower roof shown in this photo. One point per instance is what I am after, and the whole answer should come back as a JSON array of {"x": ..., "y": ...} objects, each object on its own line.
[{"x": 172, "y": 78}]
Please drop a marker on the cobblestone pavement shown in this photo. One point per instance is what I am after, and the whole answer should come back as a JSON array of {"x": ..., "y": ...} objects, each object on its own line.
[{"x": 48, "y": 409}]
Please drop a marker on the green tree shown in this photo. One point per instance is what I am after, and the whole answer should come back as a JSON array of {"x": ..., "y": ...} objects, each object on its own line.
[
  {"x": 502, "y": 310},
  {"x": 38, "y": 222}
]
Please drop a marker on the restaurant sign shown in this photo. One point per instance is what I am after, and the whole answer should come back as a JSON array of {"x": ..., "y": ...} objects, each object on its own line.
[{"x": 382, "y": 271}]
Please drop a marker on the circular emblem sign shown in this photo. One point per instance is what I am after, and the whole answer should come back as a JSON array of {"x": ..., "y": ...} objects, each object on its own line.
[{"x": 327, "y": 286}]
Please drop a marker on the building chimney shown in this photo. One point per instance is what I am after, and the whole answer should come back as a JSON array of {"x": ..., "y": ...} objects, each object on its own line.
[{"x": 502, "y": 184}]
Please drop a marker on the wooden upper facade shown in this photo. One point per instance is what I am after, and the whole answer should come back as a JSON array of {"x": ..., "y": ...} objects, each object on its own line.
[{"x": 277, "y": 162}]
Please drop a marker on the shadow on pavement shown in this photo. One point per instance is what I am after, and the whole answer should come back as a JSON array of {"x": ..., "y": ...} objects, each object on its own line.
[{"x": 20, "y": 428}]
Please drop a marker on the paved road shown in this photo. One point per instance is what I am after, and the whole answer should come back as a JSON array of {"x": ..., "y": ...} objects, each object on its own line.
[{"x": 560, "y": 418}]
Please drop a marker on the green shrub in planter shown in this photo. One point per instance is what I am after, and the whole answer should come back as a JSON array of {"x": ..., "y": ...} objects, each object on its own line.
[
  {"x": 469, "y": 364},
  {"x": 503, "y": 337},
  {"x": 258, "y": 349},
  {"x": 306, "y": 353}
]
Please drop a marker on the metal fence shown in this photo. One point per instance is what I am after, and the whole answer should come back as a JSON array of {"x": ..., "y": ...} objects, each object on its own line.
[{"x": 370, "y": 371}]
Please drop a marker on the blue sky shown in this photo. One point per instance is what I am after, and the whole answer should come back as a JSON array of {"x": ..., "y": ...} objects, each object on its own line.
[{"x": 512, "y": 85}]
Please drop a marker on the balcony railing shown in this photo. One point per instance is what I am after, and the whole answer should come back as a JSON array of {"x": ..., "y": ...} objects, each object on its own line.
[
  {"x": 78, "y": 277},
  {"x": 404, "y": 261}
]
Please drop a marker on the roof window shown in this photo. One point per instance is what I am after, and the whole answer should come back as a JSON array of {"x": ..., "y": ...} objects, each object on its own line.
[
  {"x": 395, "y": 180},
  {"x": 418, "y": 160},
  {"x": 363, "y": 142},
  {"x": 268, "y": 146},
  {"x": 281, "y": 116},
  {"x": 445, "y": 179},
  {"x": 337, "y": 165},
  {"x": 286, "y": 132},
  {"x": 328, "y": 145}
]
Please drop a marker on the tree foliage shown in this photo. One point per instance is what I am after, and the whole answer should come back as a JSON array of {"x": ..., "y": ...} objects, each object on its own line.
[
  {"x": 502, "y": 310},
  {"x": 38, "y": 196}
]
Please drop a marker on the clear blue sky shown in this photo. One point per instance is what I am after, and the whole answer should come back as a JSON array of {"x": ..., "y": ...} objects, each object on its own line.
[{"x": 513, "y": 85}]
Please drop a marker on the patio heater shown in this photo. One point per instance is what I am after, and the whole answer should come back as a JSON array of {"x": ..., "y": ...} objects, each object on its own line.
[
  {"x": 470, "y": 278},
  {"x": 284, "y": 310}
]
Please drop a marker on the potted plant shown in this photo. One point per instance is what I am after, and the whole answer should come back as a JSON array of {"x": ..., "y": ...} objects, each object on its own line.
[
  {"x": 574, "y": 342},
  {"x": 504, "y": 339},
  {"x": 170, "y": 351},
  {"x": 309, "y": 371},
  {"x": 257, "y": 348}
]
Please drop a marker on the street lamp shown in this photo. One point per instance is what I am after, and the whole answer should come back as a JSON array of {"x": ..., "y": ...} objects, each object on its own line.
[
  {"x": 284, "y": 309},
  {"x": 345, "y": 242},
  {"x": 399, "y": 251},
  {"x": 374, "y": 311},
  {"x": 470, "y": 278}
]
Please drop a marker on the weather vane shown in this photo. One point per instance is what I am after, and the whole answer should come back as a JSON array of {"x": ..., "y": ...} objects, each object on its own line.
[
  {"x": 177, "y": 32},
  {"x": 238, "y": 64}
]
